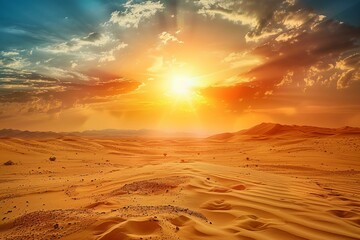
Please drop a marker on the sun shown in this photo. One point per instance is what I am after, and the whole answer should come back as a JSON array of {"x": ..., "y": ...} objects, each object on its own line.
[{"x": 181, "y": 85}]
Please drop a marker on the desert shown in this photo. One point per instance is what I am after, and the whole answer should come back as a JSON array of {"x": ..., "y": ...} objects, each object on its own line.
[
  {"x": 179, "y": 120},
  {"x": 271, "y": 181}
]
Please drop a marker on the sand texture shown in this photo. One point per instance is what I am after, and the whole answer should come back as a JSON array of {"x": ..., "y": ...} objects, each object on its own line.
[{"x": 269, "y": 182}]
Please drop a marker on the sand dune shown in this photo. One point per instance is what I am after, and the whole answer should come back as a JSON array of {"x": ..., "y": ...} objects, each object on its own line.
[
  {"x": 260, "y": 186},
  {"x": 107, "y": 133},
  {"x": 274, "y": 129}
]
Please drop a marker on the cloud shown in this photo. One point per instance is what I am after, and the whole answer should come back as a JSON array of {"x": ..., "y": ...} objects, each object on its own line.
[
  {"x": 236, "y": 18},
  {"x": 251, "y": 13},
  {"x": 74, "y": 64},
  {"x": 166, "y": 37},
  {"x": 109, "y": 55},
  {"x": 135, "y": 13},
  {"x": 22, "y": 79},
  {"x": 311, "y": 53},
  {"x": 48, "y": 95},
  {"x": 93, "y": 39},
  {"x": 257, "y": 53},
  {"x": 348, "y": 70},
  {"x": 285, "y": 101},
  {"x": 242, "y": 59},
  {"x": 13, "y": 60},
  {"x": 264, "y": 18},
  {"x": 64, "y": 74},
  {"x": 312, "y": 56},
  {"x": 9, "y": 53}
]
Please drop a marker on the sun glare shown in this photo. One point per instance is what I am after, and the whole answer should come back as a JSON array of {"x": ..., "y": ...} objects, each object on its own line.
[{"x": 181, "y": 85}]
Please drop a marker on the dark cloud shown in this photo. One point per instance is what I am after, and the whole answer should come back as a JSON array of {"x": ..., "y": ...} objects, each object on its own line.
[
  {"x": 289, "y": 102},
  {"x": 285, "y": 54},
  {"x": 262, "y": 16},
  {"x": 9, "y": 73},
  {"x": 321, "y": 48},
  {"x": 316, "y": 57},
  {"x": 50, "y": 95},
  {"x": 92, "y": 37}
]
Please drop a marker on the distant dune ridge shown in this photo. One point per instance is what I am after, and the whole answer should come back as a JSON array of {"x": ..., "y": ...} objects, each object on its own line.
[
  {"x": 12, "y": 133},
  {"x": 275, "y": 129},
  {"x": 265, "y": 129}
]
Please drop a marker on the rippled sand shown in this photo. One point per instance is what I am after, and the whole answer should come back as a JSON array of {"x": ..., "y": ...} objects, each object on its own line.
[{"x": 247, "y": 187}]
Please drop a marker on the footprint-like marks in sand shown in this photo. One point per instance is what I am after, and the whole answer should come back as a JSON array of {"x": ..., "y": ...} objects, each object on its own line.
[
  {"x": 219, "y": 204},
  {"x": 343, "y": 213},
  {"x": 142, "y": 227},
  {"x": 219, "y": 190},
  {"x": 149, "y": 222},
  {"x": 115, "y": 233},
  {"x": 346, "y": 215},
  {"x": 138, "y": 227},
  {"x": 239, "y": 187},
  {"x": 251, "y": 223},
  {"x": 102, "y": 226},
  {"x": 133, "y": 228},
  {"x": 180, "y": 221},
  {"x": 188, "y": 226}
]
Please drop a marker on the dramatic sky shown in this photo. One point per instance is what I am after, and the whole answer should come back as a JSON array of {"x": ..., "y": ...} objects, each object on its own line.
[{"x": 178, "y": 65}]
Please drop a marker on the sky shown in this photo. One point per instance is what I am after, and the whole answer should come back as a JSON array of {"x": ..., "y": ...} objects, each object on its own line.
[{"x": 178, "y": 65}]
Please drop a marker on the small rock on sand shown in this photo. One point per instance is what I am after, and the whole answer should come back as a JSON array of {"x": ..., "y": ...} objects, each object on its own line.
[{"x": 9, "y": 163}]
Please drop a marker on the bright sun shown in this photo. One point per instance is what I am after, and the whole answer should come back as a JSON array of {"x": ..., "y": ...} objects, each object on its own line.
[{"x": 181, "y": 85}]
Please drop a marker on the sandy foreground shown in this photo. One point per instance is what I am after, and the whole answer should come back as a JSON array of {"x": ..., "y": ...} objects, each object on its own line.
[{"x": 284, "y": 187}]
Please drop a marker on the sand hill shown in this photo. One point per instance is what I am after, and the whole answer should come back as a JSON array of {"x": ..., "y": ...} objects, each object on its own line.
[
  {"x": 274, "y": 129},
  {"x": 271, "y": 183},
  {"x": 117, "y": 133}
]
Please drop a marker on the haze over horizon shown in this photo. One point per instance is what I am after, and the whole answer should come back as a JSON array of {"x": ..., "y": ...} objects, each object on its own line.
[
  {"x": 183, "y": 66},
  {"x": 259, "y": 129}
]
